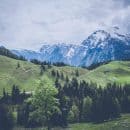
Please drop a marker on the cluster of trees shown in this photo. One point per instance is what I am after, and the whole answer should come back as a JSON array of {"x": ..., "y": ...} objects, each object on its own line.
[
  {"x": 8, "y": 53},
  {"x": 6, "y": 118},
  {"x": 96, "y": 104},
  {"x": 57, "y": 74},
  {"x": 58, "y": 64},
  {"x": 71, "y": 102},
  {"x": 95, "y": 65},
  {"x": 8, "y": 103},
  {"x": 60, "y": 75},
  {"x": 16, "y": 96},
  {"x": 37, "y": 62}
]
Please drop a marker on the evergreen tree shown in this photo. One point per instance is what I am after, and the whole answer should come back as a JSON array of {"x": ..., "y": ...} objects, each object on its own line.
[
  {"x": 57, "y": 84},
  {"x": 15, "y": 95},
  {"x": 6, "y": 118},
  {"x": 77, "y": 73},
  {"x": 57, "y": 74},
  {"x": 18, "y": 65},
  {"x": 62, "y": 76},
  {"x": 67, "y": 79},
  {"x": 53, "y": 73}
]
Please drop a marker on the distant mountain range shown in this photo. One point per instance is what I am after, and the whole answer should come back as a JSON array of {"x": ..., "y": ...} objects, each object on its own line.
[{"x": 100, "y": 46}]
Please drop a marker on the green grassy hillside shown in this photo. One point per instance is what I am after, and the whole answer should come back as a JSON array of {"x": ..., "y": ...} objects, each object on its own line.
[
  {"x": 116, "y": 71},
  {"x": 24, "y": 76},
  {"x": 27, "y": 74}
]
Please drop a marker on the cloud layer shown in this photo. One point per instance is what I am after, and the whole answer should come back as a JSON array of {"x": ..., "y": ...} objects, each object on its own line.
[{"x": 29, "y": 23}]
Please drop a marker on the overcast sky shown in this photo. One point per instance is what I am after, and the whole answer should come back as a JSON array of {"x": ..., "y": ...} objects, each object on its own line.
[{"x": 29, "y": 23}]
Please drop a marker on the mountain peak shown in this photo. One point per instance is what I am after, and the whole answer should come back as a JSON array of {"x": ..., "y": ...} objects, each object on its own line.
[
  {"x": 95, "y": 38},
  {"x": 100, "y": 46},
  {"x": 100, "y": 37}
]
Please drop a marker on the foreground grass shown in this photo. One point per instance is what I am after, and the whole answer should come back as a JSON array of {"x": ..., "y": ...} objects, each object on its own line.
[{"x": 122, "y": 123}]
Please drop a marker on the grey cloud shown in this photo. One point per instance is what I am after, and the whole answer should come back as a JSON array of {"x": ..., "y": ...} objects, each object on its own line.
[
  {"x": 28, "y": 23},
  {"x": 125, "y": 3}
]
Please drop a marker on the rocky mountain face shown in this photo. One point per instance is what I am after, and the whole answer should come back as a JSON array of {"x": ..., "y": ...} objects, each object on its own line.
[{"x": 100, "y": 46}]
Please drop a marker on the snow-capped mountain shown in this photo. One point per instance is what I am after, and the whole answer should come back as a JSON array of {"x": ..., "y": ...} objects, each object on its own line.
[
  {"x": 104, "y": 46},
  {"x": 100, "y": 46}
]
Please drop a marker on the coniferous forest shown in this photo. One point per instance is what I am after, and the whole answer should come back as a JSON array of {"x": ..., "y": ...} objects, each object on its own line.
[{"x": 52, "y": 105}]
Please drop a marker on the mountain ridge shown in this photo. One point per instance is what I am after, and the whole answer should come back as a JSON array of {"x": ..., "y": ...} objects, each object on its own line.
[{"x": 100, "y": 46}]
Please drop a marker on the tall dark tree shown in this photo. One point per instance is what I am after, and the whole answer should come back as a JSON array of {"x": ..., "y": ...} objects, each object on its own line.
[
  {"x": 15, "y": 95},
  {"x": 77, "y": 72},
  {"x": 6, "y": 118}
]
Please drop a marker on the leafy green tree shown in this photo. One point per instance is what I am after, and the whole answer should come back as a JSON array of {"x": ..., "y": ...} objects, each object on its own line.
[
  {"x": 73, "y": 115},
  {"x": 87, "y": 104},
  {"x": 45, "y": 102}
]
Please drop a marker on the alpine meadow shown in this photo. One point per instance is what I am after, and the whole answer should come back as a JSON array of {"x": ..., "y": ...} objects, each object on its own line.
[{"x": 64, "y": 65}]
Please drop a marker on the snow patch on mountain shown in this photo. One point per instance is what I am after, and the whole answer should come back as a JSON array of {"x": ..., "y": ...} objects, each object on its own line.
[
  {"x": 100, "y": 46},
  {"x": 70, "y": 52}
]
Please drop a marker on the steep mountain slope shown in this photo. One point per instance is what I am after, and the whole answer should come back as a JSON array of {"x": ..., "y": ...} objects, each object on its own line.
[
  {"x": 103, "y": 46},
  {"x": 28, "y": 54},
  {"x": 100, "y": 46},
  {"x": 66, "y": 53}
]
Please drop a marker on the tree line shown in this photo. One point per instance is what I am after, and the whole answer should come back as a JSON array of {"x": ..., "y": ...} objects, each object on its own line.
[
  {"x": 8, "y": 53},
  {"x": 37, "y": 62}
]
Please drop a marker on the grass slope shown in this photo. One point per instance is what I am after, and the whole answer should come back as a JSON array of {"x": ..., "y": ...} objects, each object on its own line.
[
  {"x": 122, "y": 123},
  {"x": 27, "y": 74},
  {"x": 116, "y": 71}
]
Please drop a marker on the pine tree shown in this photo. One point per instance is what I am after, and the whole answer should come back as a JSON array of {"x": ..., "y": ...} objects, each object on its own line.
[
  {"x": 18, "y": 65},
  {"x": 77, "y": 73},
  {"x": 67, "y": 79},
  {"x": 6, "y": 118}
]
